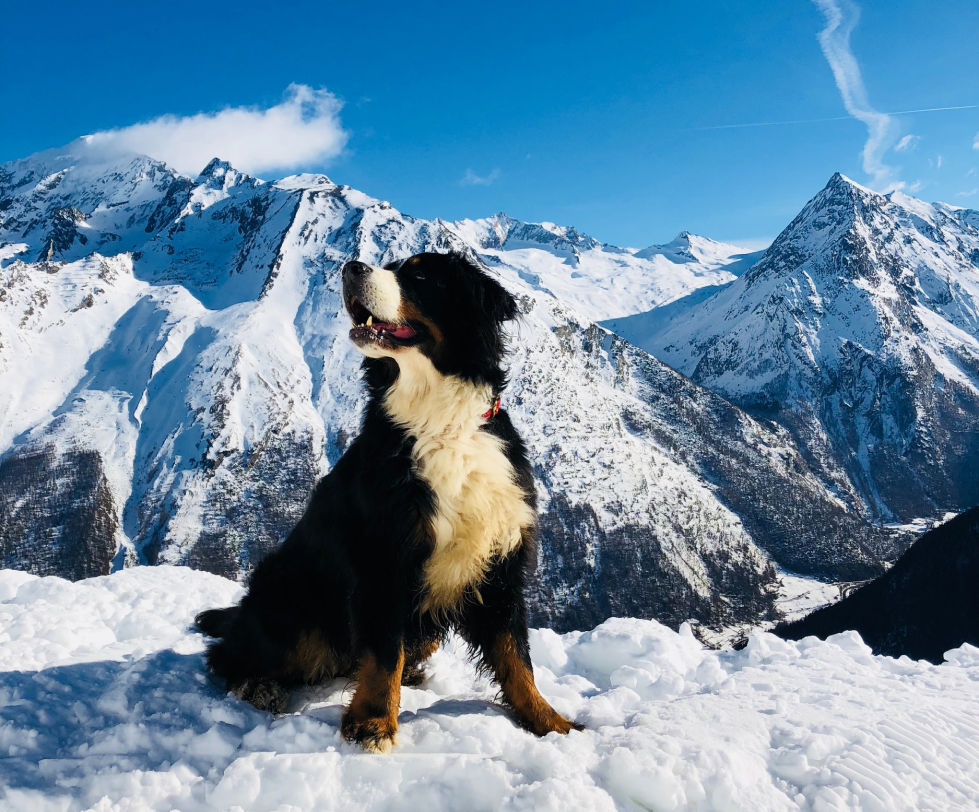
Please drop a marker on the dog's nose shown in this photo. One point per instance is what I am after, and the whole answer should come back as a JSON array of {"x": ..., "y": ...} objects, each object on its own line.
[{"x": 355, "y": 268}]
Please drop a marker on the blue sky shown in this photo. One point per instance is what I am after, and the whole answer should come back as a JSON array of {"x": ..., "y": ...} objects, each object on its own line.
[{"x": 603, "y": 116}]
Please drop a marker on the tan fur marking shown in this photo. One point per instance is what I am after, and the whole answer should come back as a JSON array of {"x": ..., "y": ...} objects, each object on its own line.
[
  {"x": 313, "y": 659},
  {"x": 415, "y": 655},
  {"x": 517, "y": 681},
  {"x": 371, "y": 718},
  {"x": 408, "y": 312},
  {"x": 422, "y": 651},
  {"x": 480, "y": 509}
]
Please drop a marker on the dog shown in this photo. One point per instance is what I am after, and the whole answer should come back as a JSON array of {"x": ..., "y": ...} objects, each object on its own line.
[{"x": 427, "y": 522}]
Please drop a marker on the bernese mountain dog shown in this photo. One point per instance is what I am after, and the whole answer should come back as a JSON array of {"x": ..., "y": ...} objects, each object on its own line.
[{"x": 426, "y": 523}]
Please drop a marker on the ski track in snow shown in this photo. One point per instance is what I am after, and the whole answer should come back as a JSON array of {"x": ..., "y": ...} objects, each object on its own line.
[{"x": 104, "y": 704}]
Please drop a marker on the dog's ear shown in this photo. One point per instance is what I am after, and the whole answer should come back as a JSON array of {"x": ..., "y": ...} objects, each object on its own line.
[
  {"x": 495, "y": 300},
  {"x": 499, "y": 303}
]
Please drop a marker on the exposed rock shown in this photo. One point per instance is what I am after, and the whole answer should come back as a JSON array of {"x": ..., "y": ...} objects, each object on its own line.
[{"x": 57, "y": 515}]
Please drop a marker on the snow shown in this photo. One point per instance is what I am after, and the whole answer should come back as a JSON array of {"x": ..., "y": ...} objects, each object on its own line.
[
  {"x": 798, "y": 595},
  {"x": 106, "y": 706},
  {"x": 601, "y": 281},
  {"x": 11, "y": 250},
  {"x": 801, "y": 302}
]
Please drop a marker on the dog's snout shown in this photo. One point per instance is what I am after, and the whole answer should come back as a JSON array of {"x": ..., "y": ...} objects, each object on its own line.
[{"x": 355, "y": 268}]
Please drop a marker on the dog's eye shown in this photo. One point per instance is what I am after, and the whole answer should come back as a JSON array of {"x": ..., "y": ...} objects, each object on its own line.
[{"x": 421, "y": 276}]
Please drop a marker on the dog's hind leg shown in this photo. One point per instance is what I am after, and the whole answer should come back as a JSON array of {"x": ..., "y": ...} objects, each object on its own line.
[
  {"x": 422, "y": 639},
  {"x": 417, "y": 653},
  {"x": 260, "y": 669},
  {"x": 251, "y": 660},
  {"x": 217, "y": 622},
  {"x": 265, "y": 694}
]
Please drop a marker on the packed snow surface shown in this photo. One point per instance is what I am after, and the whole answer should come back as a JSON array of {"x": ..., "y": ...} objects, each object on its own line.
[{"x": 104, "y": 704}]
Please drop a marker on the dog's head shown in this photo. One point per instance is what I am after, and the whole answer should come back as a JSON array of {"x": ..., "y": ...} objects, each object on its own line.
[{"x": 443, "y": 306}]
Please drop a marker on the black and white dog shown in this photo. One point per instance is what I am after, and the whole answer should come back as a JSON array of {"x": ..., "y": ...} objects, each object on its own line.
[{"x": 427, "y": 522}]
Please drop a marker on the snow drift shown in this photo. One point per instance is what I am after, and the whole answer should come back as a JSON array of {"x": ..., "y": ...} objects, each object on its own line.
[{"x": 106, "y": 705}]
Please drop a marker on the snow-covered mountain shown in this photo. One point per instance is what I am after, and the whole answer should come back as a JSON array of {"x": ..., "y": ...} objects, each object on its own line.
[
  {"x": 858, "y": 330},
  {"x": 107, "y": 706},
  {"x": 600, "y": 280},
  {"x": 175, "y": 374}
]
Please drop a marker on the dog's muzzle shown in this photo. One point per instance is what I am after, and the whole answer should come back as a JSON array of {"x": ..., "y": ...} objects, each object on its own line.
[{"x": 372, "y": 297}]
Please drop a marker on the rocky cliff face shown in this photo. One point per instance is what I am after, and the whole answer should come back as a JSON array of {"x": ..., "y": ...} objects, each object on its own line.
[{"x": 193, "y": 348}]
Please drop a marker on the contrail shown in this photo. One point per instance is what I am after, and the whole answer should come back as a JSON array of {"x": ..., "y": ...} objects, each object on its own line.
[
  {"x": 841, "y": 18},
  {"x": 934, "y": 109},
  {"x": 830, "y": 118}
]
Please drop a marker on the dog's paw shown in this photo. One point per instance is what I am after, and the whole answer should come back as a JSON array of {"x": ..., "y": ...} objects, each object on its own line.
[
  {"x": 558, "y": 724},
  {"x": 412, "y": 675},
  {"x": 552, "y": 722},
  {"x": 375, "y": 734},
  {"x": 264, "y": 694}
]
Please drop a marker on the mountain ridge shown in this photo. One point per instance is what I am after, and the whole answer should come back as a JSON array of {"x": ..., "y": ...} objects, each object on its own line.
[{"x": 206, "y": 364}]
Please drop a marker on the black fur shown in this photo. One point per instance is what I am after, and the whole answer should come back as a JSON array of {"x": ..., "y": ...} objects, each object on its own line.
[{"x": 349, "y": 575}]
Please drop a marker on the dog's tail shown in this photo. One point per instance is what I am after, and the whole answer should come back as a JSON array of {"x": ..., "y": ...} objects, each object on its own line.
[{"x": 217, "y": 622}]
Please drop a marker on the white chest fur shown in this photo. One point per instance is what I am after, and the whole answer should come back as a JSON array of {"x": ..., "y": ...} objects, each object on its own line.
[{"x": 480, "y": 510}]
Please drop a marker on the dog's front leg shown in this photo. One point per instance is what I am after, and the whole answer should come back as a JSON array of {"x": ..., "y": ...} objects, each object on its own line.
[
  {"x": 377, "y": 621},
  {"x": 497, "y": 626},
  {"x": 509, "y": 658},
  {"x": 371, "y": 718}
]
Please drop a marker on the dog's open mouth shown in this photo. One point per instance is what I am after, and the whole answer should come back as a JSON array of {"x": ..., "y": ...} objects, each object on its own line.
[{"x": 369, "y": 329}]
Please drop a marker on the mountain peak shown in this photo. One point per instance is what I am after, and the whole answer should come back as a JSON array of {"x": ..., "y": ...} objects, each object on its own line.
[
  {"x": 852, "y": 327},
  {"x": 217, "y": 168},
  {"x": 219, "y": 174},
  {"x": 832, "y": 212},
  {"x": 689, "y": 247},
  {"x": 305, "y": 181},
  {"x": 841, "y": 183}
]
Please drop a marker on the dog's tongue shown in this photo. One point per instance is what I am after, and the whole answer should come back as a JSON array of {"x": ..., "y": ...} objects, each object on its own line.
[{"x": 398, "y": 331}]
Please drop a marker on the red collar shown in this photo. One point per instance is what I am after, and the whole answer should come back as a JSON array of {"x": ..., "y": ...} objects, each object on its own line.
[{"x": 493, "y": 410}]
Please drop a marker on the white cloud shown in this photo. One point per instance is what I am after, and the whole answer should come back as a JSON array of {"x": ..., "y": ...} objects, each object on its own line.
[
  {"x": 975, "y": 142},
  {"x": 472, "y": 179},
  {"x": 302, "y": 130},
  {"x": 841, "y": 18},
  {"x": 908, "y": 143},
  {"x": 939, "y": 161},
  {"x": 969, "y": 193}
]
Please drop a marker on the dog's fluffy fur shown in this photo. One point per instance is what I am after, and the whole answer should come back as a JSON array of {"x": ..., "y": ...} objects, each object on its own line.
[{"x": 427, "y": 522}]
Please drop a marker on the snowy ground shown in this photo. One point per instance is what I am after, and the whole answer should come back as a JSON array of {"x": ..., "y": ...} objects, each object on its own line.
[
  {"x": 798, "y": 595},
  {"x": 104, "y": 704}
]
